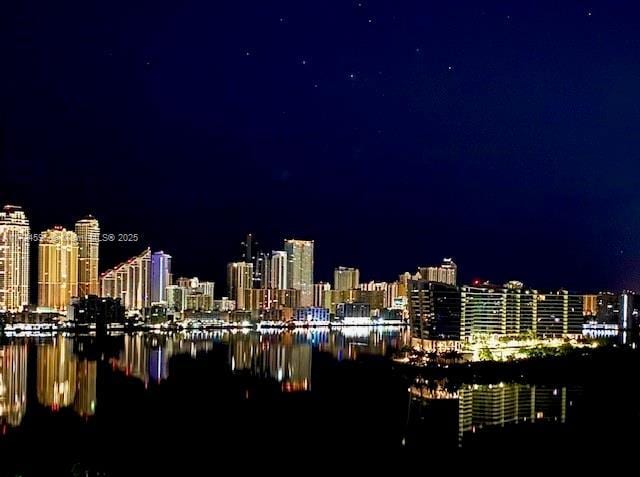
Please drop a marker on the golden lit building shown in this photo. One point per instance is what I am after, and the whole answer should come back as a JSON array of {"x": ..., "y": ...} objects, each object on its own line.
[
  {"x": 239, "y": 279},
  {"x": 270, "y": 298},
  {"x": 590, "y": 305},
  {"x": 346, "y": 278},
  {"x": 300, "y": 268},
  {"x": 88, "y": 232},
  {"x": 57, "y": 268},
  {"x": 14, "y": 258},
  {"x": 130, "y": 281}
]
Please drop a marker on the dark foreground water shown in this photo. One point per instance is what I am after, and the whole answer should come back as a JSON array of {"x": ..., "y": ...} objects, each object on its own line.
[{"x": 194, "y": 404}]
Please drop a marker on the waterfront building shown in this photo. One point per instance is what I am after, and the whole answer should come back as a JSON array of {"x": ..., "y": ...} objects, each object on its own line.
[
  {"x": 300, "y": 268},
  {"x": 271, "y": 298},
  {"x": 130, "y": 281},
  {"x": 224, "y": 304},
  {"x": 160, "y": 276},
  {"x": 447, "y": 272},
  {"x": 278, "y": 270},
  {"x": 351, "y": 311},
  {"x": 88, "y": 232},
  {"x": 239, "y": 279},
  {"x": 311, "y": 314},
  {"x": 322, "y": 295},
  {"x": 92, "y": 309},
  {"x": 590, "y": 306},
  {"x": 177, "y": 298},
  {"x": 57, "y": 268},
  {"x": 15, "y": 241},
  {"x": 346, "y": 278},
  {"x": 434, "y": 311}
]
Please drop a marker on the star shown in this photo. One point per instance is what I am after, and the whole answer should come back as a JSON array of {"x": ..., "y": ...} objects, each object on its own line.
[
  {"x": 371, "y": 20},
  {"x": 450, "y": 67},
  {"x": 588, "y": 13}
]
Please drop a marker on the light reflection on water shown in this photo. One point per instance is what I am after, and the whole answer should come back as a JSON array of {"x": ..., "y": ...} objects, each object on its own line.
[{"x": 67, "y": 367}]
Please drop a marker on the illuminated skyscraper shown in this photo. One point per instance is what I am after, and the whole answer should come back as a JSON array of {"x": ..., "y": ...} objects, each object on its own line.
[
  {"x": 160, "y": 273},
  {"x": 14, "y": 259},
  {"x": 88, "y": 232},
  {"x": 278, "y": 270},
  {"x": 239, "y": 278},
  {"x": 129, "y": 281},
  {"x": 445, "y": 273},
  {"x": 346, "y": 278},
  {"x": 300, "y": 268},
  {"x": 57, "y": 268}
]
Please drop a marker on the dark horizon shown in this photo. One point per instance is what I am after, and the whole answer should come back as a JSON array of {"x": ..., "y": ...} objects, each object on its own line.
[{"x": 392, "y": 135}]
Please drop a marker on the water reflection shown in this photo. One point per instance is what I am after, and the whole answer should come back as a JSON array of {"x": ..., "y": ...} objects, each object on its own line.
[
  {"x": 64, "y": 379},
  {"x": 13, "y": 384},
  {"x": 283, "y": 357},
  {"x": 470, "y": 409},
  {"x": 67, "y": 367}
]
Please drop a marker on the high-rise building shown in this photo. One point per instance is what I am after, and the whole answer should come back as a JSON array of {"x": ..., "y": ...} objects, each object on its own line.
[
  {"x": 239, "y": 278},
  {"x": 177, "y": 298},
  {"x": 57, "y": 268},
  {"x": 88, "y": 232},
  {"x": 160, "y": 273},
  {"x": 447, "y": 272},
  {"x": 262, "y": 270},
  {"x": 390, "y": 291},
  {"x": 589, "y": 306},
  {"x": 14, "y": 259},
  {"x": 300, "y": 268},
  {"x": 207, "y": 288},
  {"x": 130, "y": 281},
  {"x": 278, "y": 270},
  {"x": 322, "y": 295},
  {"x": 434, "y": 311},
  {"x": 346, "y": 278},
  {"x": 270, "y": 298}
]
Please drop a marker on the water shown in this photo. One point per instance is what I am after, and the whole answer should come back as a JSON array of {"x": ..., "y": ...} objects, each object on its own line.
[{"x": 172, "y": 404}]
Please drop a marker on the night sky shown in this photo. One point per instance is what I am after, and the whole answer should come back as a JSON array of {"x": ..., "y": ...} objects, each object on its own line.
[{"x": 393, "y": 133}]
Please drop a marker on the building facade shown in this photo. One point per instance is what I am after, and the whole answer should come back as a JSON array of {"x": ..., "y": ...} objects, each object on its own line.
[
  {"x": 88, "y": 232},
  {"x": 160, "y": 276},
  {"x": 278, "y": 270},
  {"x": 57, "y": 268},
  {"x": 130, "y": 281},
  {"x": 15, "y": 239},
  {"x": 300, "y": 268},
  {"x": 239, "y": 279},
  {"x": 346, "y": 278}
]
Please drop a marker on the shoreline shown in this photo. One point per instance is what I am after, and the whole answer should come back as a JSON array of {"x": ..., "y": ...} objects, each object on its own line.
[{"x": 26, "y": 328}]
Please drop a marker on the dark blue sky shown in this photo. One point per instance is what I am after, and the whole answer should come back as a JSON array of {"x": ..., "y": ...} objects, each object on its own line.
[{"x": 504, "y": 134}]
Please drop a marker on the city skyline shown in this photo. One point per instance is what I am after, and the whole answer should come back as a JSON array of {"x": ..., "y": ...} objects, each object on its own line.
[
  {"x": 513, "y": 119},
  {"x": 279, "y": 268}
]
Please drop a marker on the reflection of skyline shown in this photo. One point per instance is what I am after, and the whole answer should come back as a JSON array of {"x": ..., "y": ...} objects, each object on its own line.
[
  {"x": 286, "y": 356},
  {"x": 276, "y": 356},
  {"x": 56, "y": 375},
  {"x": 147, "y": 357},
  {"x": 13, "y": 383},
  {"x": 485, "y": 406},
  {"x": 64, "y": 380}
]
